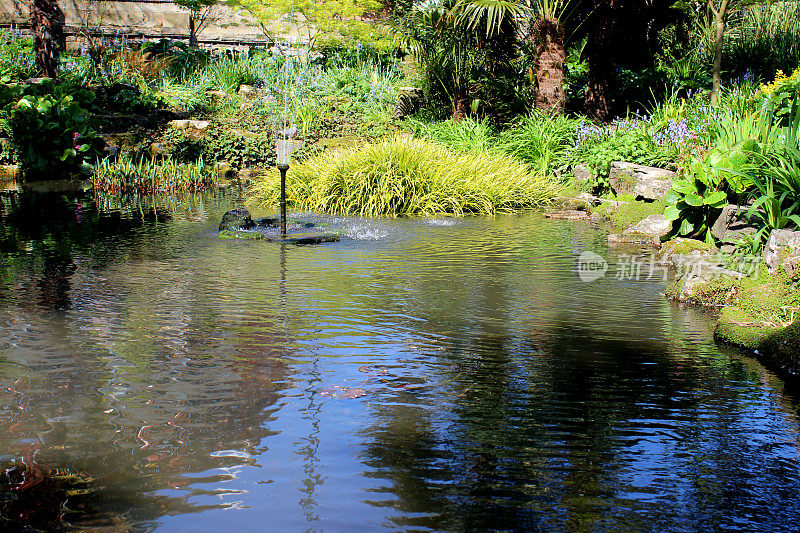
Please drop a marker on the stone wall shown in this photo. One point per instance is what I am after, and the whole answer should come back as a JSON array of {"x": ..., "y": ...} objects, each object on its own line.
[{"x": 150, "y": 19}]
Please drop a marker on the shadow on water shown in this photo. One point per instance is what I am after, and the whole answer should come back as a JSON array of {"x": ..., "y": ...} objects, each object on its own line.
[
  {"x": 93, "y": 426},
  {"x": 585, "y": 443}
]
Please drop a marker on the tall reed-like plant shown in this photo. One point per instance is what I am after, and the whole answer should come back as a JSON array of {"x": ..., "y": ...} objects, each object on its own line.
[{"x": 150, "y": 175}]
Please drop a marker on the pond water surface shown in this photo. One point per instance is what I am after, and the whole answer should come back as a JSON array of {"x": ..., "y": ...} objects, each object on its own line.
[{"x": 420, "y": 375}]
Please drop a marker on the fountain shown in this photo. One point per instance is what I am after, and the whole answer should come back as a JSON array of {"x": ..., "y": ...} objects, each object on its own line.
[{"x": 238, "y": 223}]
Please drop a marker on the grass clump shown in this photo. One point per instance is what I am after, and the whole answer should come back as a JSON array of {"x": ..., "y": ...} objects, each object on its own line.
[
  {"x": 543, "y": 142},
  {"x": 408, "y": 176}
]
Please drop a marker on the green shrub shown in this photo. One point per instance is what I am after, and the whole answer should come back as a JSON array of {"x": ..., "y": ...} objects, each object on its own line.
[
  {"x": 52, "y": 134},
  {"x": 17, "y": 60},
  {"x": 629, "y": 139},
  {"x": 778, "y": 96},
  {"x": 182, "y": 96},
  {"x": 237, "y": 150},
  {"x": 407, "y": 176},
  {"x": 695, "y": 200}
]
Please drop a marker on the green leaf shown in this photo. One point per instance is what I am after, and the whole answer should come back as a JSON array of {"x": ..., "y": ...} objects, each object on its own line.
[
  {"x": 686, "y": 228},
  {"x": 672, "y": 213},
  {"x": 694, "y": 200},
  {"x": 672, "y": 197},
  {"x": 716, "y": 199},
  {"x": 683, "y": 187}
]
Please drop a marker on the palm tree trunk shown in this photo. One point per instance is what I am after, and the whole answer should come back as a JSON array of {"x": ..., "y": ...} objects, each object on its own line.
[
  {"x": 550, "y": 97},
  {"x": 47, "y": 24},
  {"x": 459, "y": 107}
]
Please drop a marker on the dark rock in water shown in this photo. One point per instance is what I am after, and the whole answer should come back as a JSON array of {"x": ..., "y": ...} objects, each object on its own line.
[
  {"x": 236, "y": 220},
  {"x": 309, "y": 238},
  {"x": 267, "y": 222}
]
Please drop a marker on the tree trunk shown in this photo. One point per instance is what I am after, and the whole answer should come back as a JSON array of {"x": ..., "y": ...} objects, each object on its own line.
[
  {"x": 550, "y": 96},
  {"x": 459, "y": 107},
  {"x": 192, "y": 31},
  {"x": 719, "y": 41},
  {"x": 47, "y": 24},
  {"x": 596, "y": 101}
]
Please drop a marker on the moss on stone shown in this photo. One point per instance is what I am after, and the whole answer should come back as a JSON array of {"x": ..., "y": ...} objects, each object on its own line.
[
  {"x": 735, "y": 326},
  {"x": 716, "y": 291},
  {"x": 628, "y": 213},
  {"x": 769, "y": 298},
  {"x": 783, "y": 347},
  {"x": 235, "y": 234},
  {"x": 683, "y": 246}
]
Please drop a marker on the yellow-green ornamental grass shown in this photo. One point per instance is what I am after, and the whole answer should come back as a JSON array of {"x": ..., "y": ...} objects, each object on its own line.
[{"x": 407, "y": 176}]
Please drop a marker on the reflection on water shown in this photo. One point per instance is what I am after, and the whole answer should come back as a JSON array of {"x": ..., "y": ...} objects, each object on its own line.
[{"x": 155, "y": 377}]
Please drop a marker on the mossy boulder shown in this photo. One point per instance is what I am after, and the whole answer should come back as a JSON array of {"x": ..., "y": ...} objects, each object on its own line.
[
  {"x": 777, "y": 346},
  {"x": 237, "y": 219},
  {"x": 783, "y": 348},
  {"x": 640, "y": 181},
  {"x": 770, "y": 298},
  {"x": 648, "y": 232},
  {"x": 709, "y": 288},
  {"x": 683, "y": 246},
  {"x": 736, "y": 326},
  {"x": 623, "y": 212}
]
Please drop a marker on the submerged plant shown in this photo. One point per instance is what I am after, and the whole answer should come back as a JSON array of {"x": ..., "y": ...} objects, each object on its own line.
[{"x": 407, "y": 176}]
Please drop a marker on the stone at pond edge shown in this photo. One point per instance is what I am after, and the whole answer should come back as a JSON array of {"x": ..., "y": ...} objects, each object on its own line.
[
  {"x": 783, "y": 251},
  {"x": 681, "y": 246},
  {"x": 703, "y": 283},
  {"x": 633, "y": 238},
  {"x": 567, "y": 214},
  {"x": 648, "y": 231},
  {"x": 237, "y": 219},
  {"x": 650, "y": 183},
  {"x": 776, "y": 346},
  {"x": 654, "y": 226}
]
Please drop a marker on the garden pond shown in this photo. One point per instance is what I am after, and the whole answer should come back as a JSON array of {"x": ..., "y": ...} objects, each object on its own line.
[{"x": 421, "y": 374}]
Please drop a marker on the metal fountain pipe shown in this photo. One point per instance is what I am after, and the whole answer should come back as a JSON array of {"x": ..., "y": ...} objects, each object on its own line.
[{"x": 283, "y": 150}]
